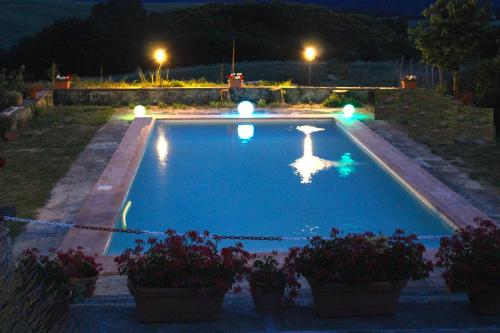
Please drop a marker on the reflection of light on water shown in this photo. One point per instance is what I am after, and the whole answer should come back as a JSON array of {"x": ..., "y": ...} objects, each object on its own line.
[
  {"x": 246, "y": 132},
  {"x": 162, "y": 147},
  {"x": 308, "y": 165},
  {"x": 346, "y": 165}
]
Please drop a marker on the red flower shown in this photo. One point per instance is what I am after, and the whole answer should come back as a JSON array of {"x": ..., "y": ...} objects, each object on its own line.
[
  {"x": 360, "y": 258},
  {"x": 2, "y": 162},
  {"x": 472, "y": 255},
  {"x": 183, "y": 261},
  {"x": 76, "y": 264}
]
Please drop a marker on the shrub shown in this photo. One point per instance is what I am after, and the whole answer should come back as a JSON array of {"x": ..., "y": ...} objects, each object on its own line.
[
  {"x": 183, "y": 261},
  {"x": 360, "y": 258},
  {"x": 222, "y": 104},
  {"x": 486, "y": 82},
  {"x": 337, "y": 100},
  {"x": 472, "y": 255},
  {"x": 261, "y": 103}
]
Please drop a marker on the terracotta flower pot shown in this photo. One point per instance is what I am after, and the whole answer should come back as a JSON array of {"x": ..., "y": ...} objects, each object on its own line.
[
  {"x": 268, "y": 298},
  {"x": 59, "y": 312},
  {"x": 235, "y": 83},
  {"x": 486, "y": 300},
  {"x": 19, "y": 100},
  {"x": 62, "y": 85},
  {"x": 34, "y": 92},
  {"x": 343, "y": 300},
  {"x": 156, "y": 305},
  {"x": 409, "y": 84},
  {"x": 83, "y": 287}
]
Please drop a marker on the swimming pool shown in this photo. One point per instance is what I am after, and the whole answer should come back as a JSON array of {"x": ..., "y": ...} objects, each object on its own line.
[{"x": 289, "y": 178}]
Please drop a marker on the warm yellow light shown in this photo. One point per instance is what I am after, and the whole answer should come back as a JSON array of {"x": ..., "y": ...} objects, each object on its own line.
[
  {"x": 310, "y": 53},
  {"x": 160, "y": 56}
]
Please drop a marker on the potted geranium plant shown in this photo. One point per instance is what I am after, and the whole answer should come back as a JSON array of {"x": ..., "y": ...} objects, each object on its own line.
[
  {"x": 182, "y": 278},
  {"x": 81, "y": 269},
  {"x": 409, "y": 82},
  {"x": 50, "y": 274},
  {"x": 359, "y": 274},
  {"x": 474, "y": 254},
  {"x": 14, "y": 98},
  {"x": 267, "y": 283},
  {"x": 235, "y": 80}
]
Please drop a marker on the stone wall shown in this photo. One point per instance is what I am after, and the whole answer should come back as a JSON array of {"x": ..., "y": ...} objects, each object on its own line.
[
  {"x": 433, "y": 118},
  {"x": 18, "y": 116},
  {"x": 197, "y": 96}
]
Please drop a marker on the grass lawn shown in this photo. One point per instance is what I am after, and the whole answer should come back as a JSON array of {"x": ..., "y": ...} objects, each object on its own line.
[
  {"x": 43, "y": 154},
  {"x": 480, "y": 162}
]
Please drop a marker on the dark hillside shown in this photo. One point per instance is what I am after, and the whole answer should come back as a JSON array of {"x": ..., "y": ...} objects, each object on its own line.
[{"x": 119, "y": 35}]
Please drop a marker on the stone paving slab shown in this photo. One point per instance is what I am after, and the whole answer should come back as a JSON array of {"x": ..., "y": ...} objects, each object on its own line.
[{"x": 483, "y": 196}]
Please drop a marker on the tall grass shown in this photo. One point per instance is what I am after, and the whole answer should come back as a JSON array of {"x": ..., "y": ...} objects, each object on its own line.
[{"x": 259, "y": 73}]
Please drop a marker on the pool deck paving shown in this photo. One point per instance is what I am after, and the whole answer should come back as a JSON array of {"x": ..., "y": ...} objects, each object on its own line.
[
  {"x": 70, "y": 193},
  {"x": 424, "y": 307}
]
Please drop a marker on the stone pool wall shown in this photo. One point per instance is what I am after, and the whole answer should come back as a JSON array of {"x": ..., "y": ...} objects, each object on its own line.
[
  {"x": 433, "y": 118},
  {"x": 203, "y": 96}
]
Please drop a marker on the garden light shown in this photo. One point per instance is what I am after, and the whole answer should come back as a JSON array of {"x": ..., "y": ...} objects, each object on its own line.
[
  {"x": 310, "y": 53},
  {"x": 160, "y": 56},
  {"x": 139, "y": 111},
  {"x": 349, "y": 110},
  {"x": 245, "y": 109}
]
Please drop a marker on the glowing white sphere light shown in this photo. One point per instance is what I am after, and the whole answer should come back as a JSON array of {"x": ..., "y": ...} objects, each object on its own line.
[
  {"x": 245, "y": 109},
  {"x": 139, "y": 111},
  {"x": 245, "y": 132},
  {"x": 349, "y": 110}
]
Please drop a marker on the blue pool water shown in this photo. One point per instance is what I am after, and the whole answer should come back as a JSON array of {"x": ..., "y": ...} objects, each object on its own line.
[{"x": 295, "y": 179}]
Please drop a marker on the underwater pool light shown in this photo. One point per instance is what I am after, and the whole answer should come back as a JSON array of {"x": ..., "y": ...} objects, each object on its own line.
[
  {"x": 139, "y": 111},
  {"x": 245, "y": 109},
  {"x": 349, "y": 110}
]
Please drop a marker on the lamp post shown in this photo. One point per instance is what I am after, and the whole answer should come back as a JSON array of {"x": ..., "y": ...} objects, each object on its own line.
[
  {"x": 310, "y": 55},
  {"x": 160, "y": 56}
]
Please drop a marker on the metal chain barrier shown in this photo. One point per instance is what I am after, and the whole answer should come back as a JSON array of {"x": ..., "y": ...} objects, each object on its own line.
[{"x": 160, "y": 233}]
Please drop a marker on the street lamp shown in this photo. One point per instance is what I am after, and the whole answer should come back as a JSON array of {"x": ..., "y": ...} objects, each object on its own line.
[
  {"x": 160, "y": 56},
  {"x": 310, "y": 55}
]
